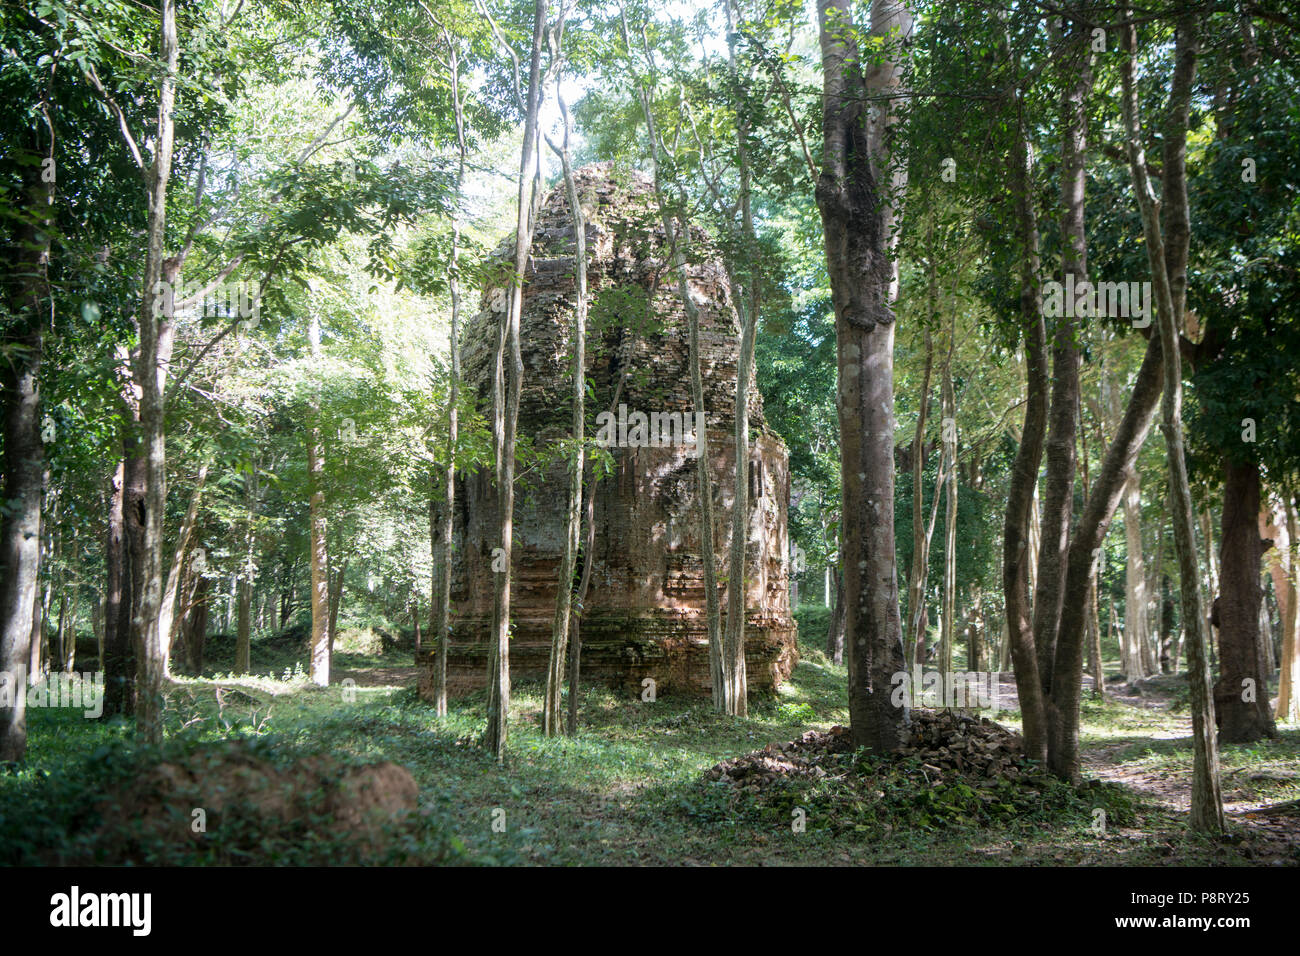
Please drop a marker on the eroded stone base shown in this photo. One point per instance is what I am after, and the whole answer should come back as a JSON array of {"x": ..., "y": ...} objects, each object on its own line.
[{"x": 620, "y": 652}]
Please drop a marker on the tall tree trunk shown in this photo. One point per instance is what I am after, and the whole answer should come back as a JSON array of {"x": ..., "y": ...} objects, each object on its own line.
[
  {"x": 1169, "y": 283},
  {"x": 1135, "y": 582},
  {"x": 150, "y": 359},
  {"x": 167, "y": 623},
  {"x": 244, "y": 595},
  {"x": 1059, "y": 449},
  {"x": 1094, "y": 619},
  {"x": 835, "y": 632},
  {"x": 337, "y": 580},
  {"x": 949, "y": 435},
  {"x": 736, "y": 685},
  {"x": 1212, "y": 567},
  {"x": 37, "y": 659},
  {"x": 916, "y": 574},
  {"x": 1241, "y": 695},
  {"x": 195, "y": 626},
  {"x": 505, "y": 407},
  {"x": 317, "y": 531},
  {"x": 1277, "y": 524},
  {"x": 27, "y": 301},
  {"x": 119, "y": 661},
  {"x": 856, "y": 205},
  {"x": 1016, "y": 536},
  {"x": 678, "y": 236},
  {"x": 568, "y": 560},
  {"x": 443, "y": 536}
]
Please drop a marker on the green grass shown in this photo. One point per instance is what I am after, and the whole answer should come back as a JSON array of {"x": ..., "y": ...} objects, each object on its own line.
[{"x": 629, "y": 789}]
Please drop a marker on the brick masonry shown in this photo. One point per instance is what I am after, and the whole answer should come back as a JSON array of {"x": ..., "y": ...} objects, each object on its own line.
[{"x": 645, "y": 608}]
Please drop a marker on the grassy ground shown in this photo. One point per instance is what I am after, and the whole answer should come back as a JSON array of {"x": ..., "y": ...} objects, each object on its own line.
[{"x": 628, "y": 789}]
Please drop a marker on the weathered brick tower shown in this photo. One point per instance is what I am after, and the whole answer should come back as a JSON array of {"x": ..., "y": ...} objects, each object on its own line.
[{"x": 644, "y": 614}]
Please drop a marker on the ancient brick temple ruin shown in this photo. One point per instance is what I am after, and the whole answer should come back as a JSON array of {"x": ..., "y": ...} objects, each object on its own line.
[{"x": 644, "y": 614}]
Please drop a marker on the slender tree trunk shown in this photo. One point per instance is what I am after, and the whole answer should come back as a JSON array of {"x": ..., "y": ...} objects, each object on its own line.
[
  {"x": 150, "y": 359},
  {"x": 1212, "y": 567},
  {"x": 1016, "y": 537},
  {"x": 1288, "y": 692},
  {"x": 916, "y": 574},
  {"x": 835, "y": 633},
  {"x": 1169, "y": 282},
  {"x": 319, "y": 550},
  {"x": 195, "y": 627},
  {"x": 949, "y": 435},
  {"x": 37, "y": 659},
  {"x": 118, "y": 659},
  {"x": 736, "y": 685},
  {"x": 336, "y": 600},
  {"x": 1059, "y": 449},
  {"x": 564, "y": 587},
  {"x": 856, "y": 205},
  {"x": 167, "y": 620},
  {"x": 1135, "y": 582},
  {"x": 443, "y": 537},
  {"x": 506, "y": 409},
  {"x": 678, "y": 236}
]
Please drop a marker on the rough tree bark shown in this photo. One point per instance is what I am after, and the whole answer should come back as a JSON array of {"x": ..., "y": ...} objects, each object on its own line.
[
  {"x": 857, "y": 209},
  {"x": 1059, "y": 448},
  {"x": 1241, "y": 694},
  {"x": 150, "y": 359},
  {"x": 24, "y": 456}
]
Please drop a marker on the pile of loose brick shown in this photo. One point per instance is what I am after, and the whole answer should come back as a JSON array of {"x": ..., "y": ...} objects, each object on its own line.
[{"x": 947, "y": 744}]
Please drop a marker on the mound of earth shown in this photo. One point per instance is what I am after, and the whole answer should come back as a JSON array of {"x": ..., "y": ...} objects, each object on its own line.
[
  {"x": 240, "y": 807},
  {"x": 945, "y": 742}
]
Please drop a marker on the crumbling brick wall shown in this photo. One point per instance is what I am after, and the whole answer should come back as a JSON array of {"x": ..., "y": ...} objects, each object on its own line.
[{"x": 644, "y": 615}]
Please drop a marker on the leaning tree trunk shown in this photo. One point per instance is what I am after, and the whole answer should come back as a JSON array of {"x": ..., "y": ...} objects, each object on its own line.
[
  {"x": 857, "y": 218},
  {"x": 1017, "y": 526},
  {"x": 1169, "y": 283}
]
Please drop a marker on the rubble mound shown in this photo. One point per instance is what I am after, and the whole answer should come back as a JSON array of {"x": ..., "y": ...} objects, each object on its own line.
[
  {"x": 235, "y": 806},
  {"x": 944, "y": 743},
  {"x": 956, "y": 771}
]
